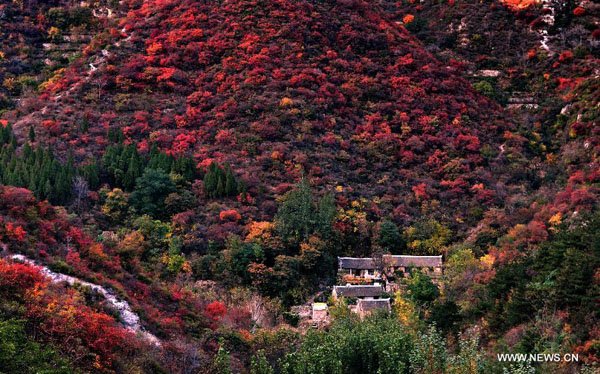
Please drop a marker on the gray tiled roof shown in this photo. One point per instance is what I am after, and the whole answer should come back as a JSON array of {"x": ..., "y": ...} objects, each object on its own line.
[
  {"x": 393, "y": 260},
  {"x": 358, "y": 291},
  {"x": 417, "y": 261},
  {"x": 367, "y": 305},
  {"x": 356, "y": 263}
]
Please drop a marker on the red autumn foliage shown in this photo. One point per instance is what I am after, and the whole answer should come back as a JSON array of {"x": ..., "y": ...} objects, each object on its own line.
[
  {"x": 359, "y": 87},
  {"x": 60, "y": 317},
  {"x": 17, "y": 278},
  {"x": 420, "y": 192},
  {"x": 215, "y": 310},
  {"x": 565, "y": 56},
  {"x": 579, "y": 11},
  {"x": 230, "y": 215}
]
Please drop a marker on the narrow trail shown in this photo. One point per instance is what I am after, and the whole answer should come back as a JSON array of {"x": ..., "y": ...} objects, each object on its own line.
[
  {"x": 87, "y": 75},
  {"x": 128, "y": 318},
  {"x": 549, "y": 20}
]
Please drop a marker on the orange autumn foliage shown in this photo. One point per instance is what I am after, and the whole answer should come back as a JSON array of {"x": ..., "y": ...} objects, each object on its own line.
[
  {"x": 519, "y": 4},
  {"x": 230, "y": 215}
]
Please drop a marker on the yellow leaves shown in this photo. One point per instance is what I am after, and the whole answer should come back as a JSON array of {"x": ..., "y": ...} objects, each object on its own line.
[
  {"x": 405, "y": 310},
  {"x": 132, "y": 243},
  {"x": 54, "y": 32},
  {"x": 115, "y": 205},
  {"x": 58, "y": 74},
  {"x": 187, "y": 267},
  {"x": 51, "y": 307},
  {"x": 555, "y": 219},
  {"x": 427, "y": 237},
  {"x": 259, "y": 230},
  {"x": 10, "y": 83},
  {"x": 572, "y": 133},
  {"x": 339, "y": 189},
  {"x": 286, "y": 102},
  {"x": 487, "y": 260}
]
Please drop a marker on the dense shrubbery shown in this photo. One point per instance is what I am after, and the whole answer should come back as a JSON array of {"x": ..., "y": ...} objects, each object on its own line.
[{"x": 347, "y": 99}]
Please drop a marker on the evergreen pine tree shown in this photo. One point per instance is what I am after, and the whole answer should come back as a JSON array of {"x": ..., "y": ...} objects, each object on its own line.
[
  {"x": 230, "y": 183},
  {"x": 210, "y": 180},
  {"x": 47, "y": 191},
  {"x": 32, "y": 186},
  {"x": 31, "y": 134},
  {"x": 165, "y": 162},
  {"x": 39, "y": 155},
  {"x": 7, "y": 134},
  {"x": 134, "y": 171},
  {"x": 27, "y": 153},
  {"x": 220, "y": 191}
]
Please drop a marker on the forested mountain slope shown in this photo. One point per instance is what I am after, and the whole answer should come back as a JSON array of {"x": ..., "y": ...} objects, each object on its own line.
[{"x": 275, "y": 87}]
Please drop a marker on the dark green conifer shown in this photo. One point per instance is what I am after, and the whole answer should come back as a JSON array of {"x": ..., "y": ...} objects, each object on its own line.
[{"x": 230, "y": 183}]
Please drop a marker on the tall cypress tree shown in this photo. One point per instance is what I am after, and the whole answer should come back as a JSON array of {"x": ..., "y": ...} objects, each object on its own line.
[
  {"x": 230, "y": 184},
  {"x": 210, "y": 180},
  {"x": 134, "y": 171},
  {"x": 220, "y": 188}
]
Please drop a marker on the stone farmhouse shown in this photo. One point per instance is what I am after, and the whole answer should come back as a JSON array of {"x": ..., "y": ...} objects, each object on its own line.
[
  {"x": 387, "y": 268},
  {"x": 368, "y": 282},
  {"x": 373, "y": 291},
  {"x": 369, "y": 279},
  {"x": 366, "y": 306}
]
